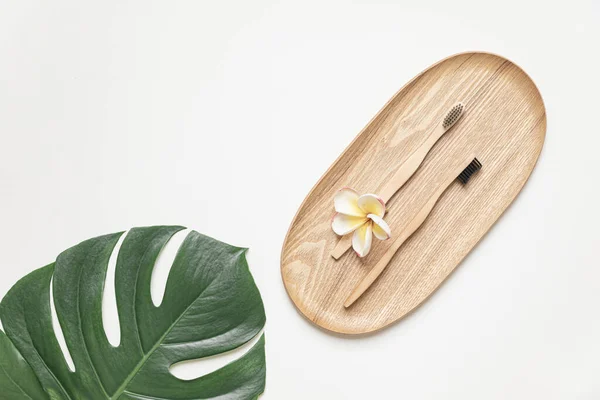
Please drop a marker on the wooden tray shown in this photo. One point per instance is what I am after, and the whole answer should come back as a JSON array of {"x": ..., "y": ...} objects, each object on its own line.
[{"x": 504, "y": 125}]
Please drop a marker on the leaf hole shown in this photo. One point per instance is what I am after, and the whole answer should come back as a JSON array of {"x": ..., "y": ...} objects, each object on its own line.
[
  {"x": 110, "y": 312},
  {"x": 162, "y": 267},
  {"x": 193, "y": 369},
  {"x": 58, "y": 332}
]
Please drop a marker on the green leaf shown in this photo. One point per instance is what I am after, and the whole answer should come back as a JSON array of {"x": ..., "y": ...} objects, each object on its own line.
[
  {"x": 17, "y": 379},
  {"x": 211, "y": 305}
]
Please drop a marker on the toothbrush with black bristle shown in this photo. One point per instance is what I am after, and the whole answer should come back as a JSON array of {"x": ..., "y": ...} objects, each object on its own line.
[
  {"x": 472, "y": 166},
  {"x": 408, "y": 168}
]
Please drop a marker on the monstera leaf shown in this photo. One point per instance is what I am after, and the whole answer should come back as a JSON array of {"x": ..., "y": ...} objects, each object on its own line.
[{"x": 211, "y": 305}]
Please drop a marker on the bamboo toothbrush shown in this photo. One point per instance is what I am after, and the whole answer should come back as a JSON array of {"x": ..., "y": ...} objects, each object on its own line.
[
  {"x": 407, "y": 169},
  {"x": 468, "y": 168}
]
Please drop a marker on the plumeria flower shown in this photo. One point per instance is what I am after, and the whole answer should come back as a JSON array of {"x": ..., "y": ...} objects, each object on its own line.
[{"x": 362, "y": 215}]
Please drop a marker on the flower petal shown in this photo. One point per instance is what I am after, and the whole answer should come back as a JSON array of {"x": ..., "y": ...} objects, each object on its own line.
[
  {"x": 381, "y": 229},
  {"x": 346, "y": 202},
  {"x": 372, "y": 204},
  {"x": 343, "y": 224},
  {"x": 362, "y": 238}
]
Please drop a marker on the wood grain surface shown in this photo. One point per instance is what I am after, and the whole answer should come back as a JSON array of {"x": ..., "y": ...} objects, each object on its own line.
[{"x": 504, "y": 125}]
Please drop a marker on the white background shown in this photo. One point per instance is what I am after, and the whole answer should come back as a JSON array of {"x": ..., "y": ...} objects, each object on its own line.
[{"x": 222, "y": 115}]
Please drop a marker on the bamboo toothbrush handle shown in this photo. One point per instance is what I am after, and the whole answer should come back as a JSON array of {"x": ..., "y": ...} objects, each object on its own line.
[
  {"x": 405, "y": 171},
  {"x": 410, "y": 166},
  {"x": 374, "y": 273},
  {"x": 412, "y": 226}
]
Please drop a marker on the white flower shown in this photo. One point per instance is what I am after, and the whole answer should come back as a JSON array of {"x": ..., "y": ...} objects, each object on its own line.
[{"x": 362, "y": 215}]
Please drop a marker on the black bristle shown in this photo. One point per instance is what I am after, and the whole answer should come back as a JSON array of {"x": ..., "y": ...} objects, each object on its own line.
[
  {"x": 473, "y": 167},
  {"x": 453, "y": 115}
]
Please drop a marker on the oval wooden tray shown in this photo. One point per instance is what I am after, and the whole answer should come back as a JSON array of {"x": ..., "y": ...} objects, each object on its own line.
[{"x": 504, "y": 125}]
